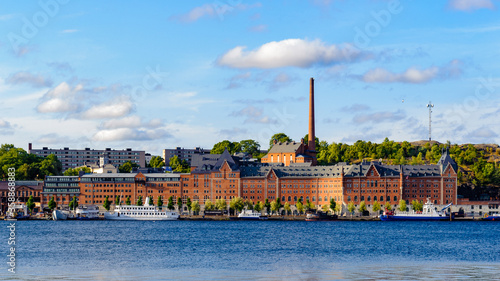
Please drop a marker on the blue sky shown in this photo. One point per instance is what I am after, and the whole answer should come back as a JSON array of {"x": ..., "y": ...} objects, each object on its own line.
[{"x": 151, "y": 75}]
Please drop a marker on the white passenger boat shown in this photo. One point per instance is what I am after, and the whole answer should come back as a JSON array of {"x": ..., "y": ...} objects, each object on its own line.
[
  {"x": 428, "y": 213},
  {"x": 146, "y": 212},
  {"x": 87, "y": 212},
  {"x": 251, "y": 215}
]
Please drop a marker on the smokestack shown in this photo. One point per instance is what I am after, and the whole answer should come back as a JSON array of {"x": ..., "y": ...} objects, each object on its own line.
[{"x": 311, "y": 144}]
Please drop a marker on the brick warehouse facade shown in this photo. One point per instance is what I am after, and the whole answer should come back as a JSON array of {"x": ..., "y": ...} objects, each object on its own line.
[{"x": 224, "y": 176}]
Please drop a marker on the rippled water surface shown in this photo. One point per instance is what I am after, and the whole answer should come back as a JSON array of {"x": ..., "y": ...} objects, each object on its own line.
[{"x": 260, "y": 250}]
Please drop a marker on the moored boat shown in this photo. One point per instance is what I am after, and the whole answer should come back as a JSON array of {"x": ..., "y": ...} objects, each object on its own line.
[
  {"x": 59, "y": 215},
  {"x": 251, "y": 215},
  {"x": 320, "y": 216},
  {"x": 428, "y": 213},
  {"x": 87, "y": 212},
  {"x": 146, "y": 212},
  {"x": 495, "y": 217}
]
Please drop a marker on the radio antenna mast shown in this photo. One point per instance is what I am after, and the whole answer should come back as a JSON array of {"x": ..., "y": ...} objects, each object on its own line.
[{"x": 430, "y": 106}]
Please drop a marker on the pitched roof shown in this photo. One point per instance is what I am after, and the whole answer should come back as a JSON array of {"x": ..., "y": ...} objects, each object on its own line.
[
  {"x": 446, "y": 160},
  {"x": 285, "y": 147}
]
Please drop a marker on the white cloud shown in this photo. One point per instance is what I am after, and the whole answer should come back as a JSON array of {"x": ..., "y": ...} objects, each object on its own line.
[
  {"x": 413, "y": 74},
  {"x": 211, "y": 11},
  {"x": 469, "y": 5},
  {"x": 130, "y": 134},
  {"x": 69, "y": 31},
  {"x": 24, "y": 77},
  {"x": 289, "y": 52},
  {"x": 258, "y": 28},
  {"x": 253, "y": 115},
  {"x": 130, "y": 122},
  {"x": 60, "y": 99},
  {"x": 111, "y": 109}
]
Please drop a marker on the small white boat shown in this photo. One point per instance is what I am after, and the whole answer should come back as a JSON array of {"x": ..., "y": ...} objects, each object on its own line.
[
  {"x": 87, "y": 212},
  {"x": 59, "y": 215},
  {"x": 251, "y": 215},
  {"x": 146, "y": 212}
]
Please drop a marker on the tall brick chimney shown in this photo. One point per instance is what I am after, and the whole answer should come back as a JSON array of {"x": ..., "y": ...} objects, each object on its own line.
[{"x": 311, "y": 144}]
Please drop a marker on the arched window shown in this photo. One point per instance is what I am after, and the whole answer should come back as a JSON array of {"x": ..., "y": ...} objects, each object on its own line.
[
  {"x": 289, "y": 198},
  {"x": 369, "y": 199},
  {"x": 314, "y": 198},
  {"x": 362, "y": 198},
  {"x": 283, "y": 199},
  {"x": 307, "y": 198},
  {"x": 381, "y": 198},
  {"x": 388, "y": 198},
  {"x": 356, "y": 198},
  {"x": 395, "y": 198},
  {"x": 371, "y": 184},
  {"x": 376, "y": 183},
  {"x": 349, "y": 198},
  {"x": 326, "y": 198},
  {"x": 302, "y": 197},
  {"x": 295, "y": 198},
  {"x": 374, "y": 198}
]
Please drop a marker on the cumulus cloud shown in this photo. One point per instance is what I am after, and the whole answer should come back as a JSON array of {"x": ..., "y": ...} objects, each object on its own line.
[
  {"x": 130, "y": 122},
  {"x": 289, "y": 52},
  {"x": 24, "y": 77},
  {"x": 60, "y": 99},
  {"x": 378, "y": 117},
  {"x": 111, "y": 109},
  {"x": 253, "y": 115},
  {"x": 129, "y": 134},
  {"x": 469, "y": 5},
  {"x": 6, "y": 128},
  {"x": 212, "y": 10},
  {"x": 413, "y": 74}
]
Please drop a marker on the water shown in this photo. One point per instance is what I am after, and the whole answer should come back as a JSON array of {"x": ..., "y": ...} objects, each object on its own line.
[{"x": 254, "y": 250}]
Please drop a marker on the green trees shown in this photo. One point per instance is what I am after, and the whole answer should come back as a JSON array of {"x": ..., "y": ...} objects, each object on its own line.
[
  {"x": 274, "y": 207},
  {"x": 221, "y": 204},
  {"x": 258, "y": 206},
  {"x": 28, "y": 166},
  {"x": 279, "y": 137},
  {"x": 309, "y": 205},
  {"x": 179, "y": 166},
  {"x": 251, "y": 147},
  {"x": 300, "y": 207},
  {"x": 232, "y": 147},
  {"x": 362, "y": 207},
  {"x": 73, "y": 204},
  {"x": 127, "y": 167},
  {"x": 30, "y": 204},
  {"x": 139, "y": 201},
  {"x": 237, "y": 204},
  {"x": 333, "y": 204},
  {"x": 106, "y": 204},
  {"x": 189, "y": 204},
  {"x": 209, "y": 206},
  {"x": 387, "y": 206},
  {"x": 127, "y": 201},
  {"x": 287, "y": 207},
  {"x": 417, "y": 205},
  {"x": 159, "y": 202},
  {"x": 195, "y": 206},
  {"x": 376, "y": 206},
  {"x": 52, "y": 203},
  {"x": 402, "y": 205},
  {"x": 179, "y": 204},
  {"x": 325, "y": 208},
  {"x": 351, "y": 208},
  {"x": 156, "y": 162},
  {"x": 249, "y": 205},
  {"x": 75, "y": 171},
  {"x": 170, "y": 204},
  {"x": 117, "y": 200},
  {"x": 267, "y": 205},
  {"x": 151, "y": 201}
]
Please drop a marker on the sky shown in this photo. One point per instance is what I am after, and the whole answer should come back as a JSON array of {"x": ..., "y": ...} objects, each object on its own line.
[{"x": 151, "y": 75}]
